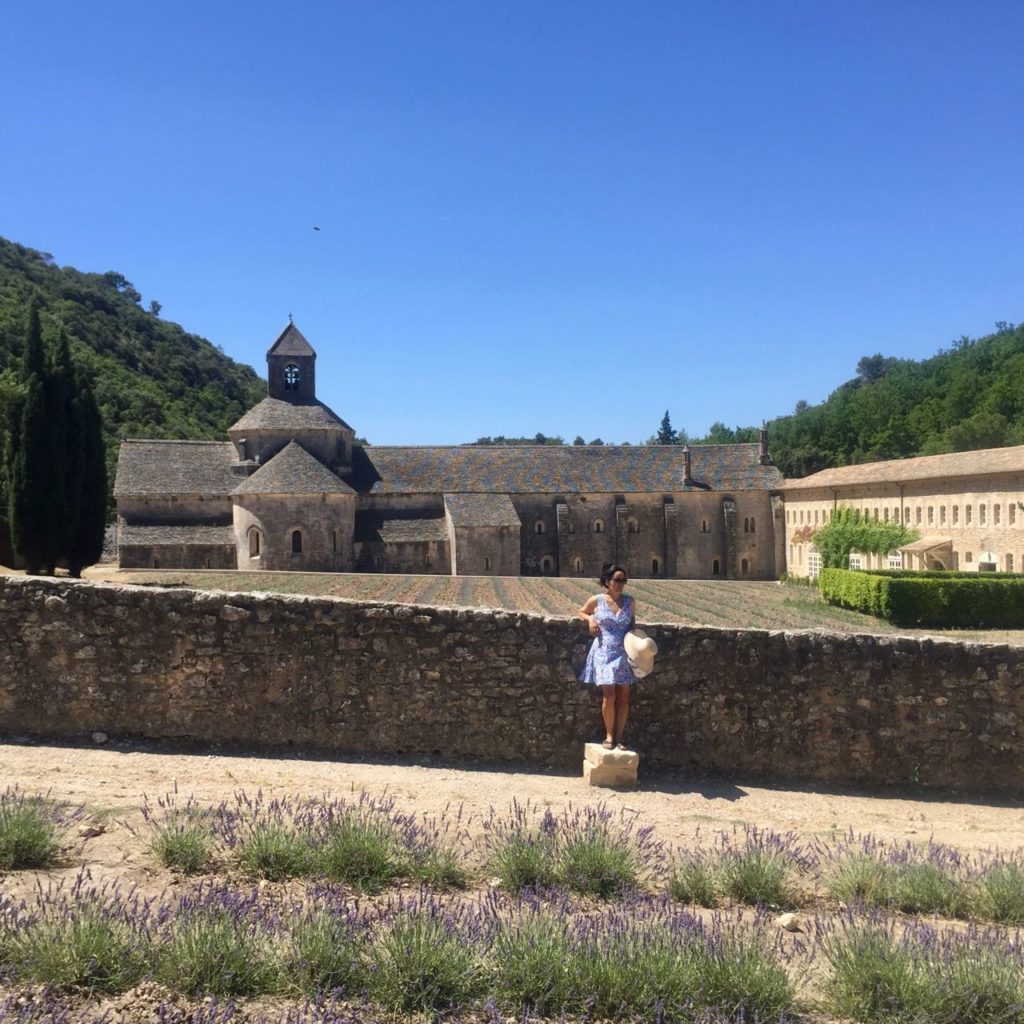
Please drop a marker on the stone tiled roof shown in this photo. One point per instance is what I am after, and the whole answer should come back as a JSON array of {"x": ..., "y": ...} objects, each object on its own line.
[
  {"x": 275, "y": 414},
  {"x": 293, "y": 471},
  {"x": 985, "y": 462},
  {"x": 163, "y": 468},
  {"x": 291, "y": 342},
  {"x": 481, "y": 510},
  {"x": 393, "y": 531},
  {"x": 166, "y": 536},
  {"x": 554, "y": 469}
]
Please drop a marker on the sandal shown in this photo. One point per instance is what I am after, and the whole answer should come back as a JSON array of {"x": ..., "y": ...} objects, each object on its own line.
[
  {"x": 607, "y": 744},
  {"x": 621, "y": 746}
]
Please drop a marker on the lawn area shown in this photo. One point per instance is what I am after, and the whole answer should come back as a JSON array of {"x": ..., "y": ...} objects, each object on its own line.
[{"x": 725, "y": 603}]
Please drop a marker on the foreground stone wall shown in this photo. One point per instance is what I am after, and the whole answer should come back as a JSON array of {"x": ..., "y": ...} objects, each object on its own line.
[{"x": 374, "y": 678}]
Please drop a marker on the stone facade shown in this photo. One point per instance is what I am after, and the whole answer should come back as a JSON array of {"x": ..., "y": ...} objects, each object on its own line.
[
  {"x": 292, "y": 490},
  {"x": 365, "y": 678},
  {"x": 967, "y": 507}
]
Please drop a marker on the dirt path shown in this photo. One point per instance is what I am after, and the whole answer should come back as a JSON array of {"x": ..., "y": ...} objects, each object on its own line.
[{"x": 112, "y": 781}]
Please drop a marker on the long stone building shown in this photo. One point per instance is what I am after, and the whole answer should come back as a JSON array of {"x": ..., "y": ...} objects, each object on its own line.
[
  {"x": 292, "y": 490},
  {"x": 966, "y": 507}
]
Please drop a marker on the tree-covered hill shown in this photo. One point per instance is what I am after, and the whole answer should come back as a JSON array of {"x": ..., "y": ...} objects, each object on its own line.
[
  {"x": 150, "y": 377},
  {"x": 970, "y": 395}
]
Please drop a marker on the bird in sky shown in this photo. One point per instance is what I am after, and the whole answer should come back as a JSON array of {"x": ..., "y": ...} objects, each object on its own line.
[{"x": 315, "y": 228}]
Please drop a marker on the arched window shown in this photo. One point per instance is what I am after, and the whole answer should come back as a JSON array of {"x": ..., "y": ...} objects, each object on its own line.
[
  {"x": 655, "y": 567},
  {"x": 254, "y": 543},
  {"x": 632, "y": 526},
  {"x": 753, "y": 525},
  {"x": 546, "y": 564},
  {"x": 487, "y": 562},
  {"x": 577, "y": 565},
  {"x": 746, "y": 523},
  {"x": 334, "y": 541},
  {"x": 744, "y": 567},
  {"x": 156, "y": 563},
  {"x": 378, "y": 561},
  {"x": 598, "y": 526},
  {"x": 538, "y": 527},
  {"x": 296, "y": 542},
  {"x": 704, "y": 525},
  {"x": 572, "y": 526},
  {"x": 716, "y": 569},
  {"x": 291, "y": 377}
]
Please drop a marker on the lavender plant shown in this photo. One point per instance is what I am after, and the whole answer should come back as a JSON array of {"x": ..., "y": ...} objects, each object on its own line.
[
  {"x": 29, "y": 829},
  {"x": 763, "y": 870},
  {"x": 326, "y": 950},
  {"x": 694, "y": 880},
  {"x": 1001, "y": 891},
  {"x": 182, "y": 837}
]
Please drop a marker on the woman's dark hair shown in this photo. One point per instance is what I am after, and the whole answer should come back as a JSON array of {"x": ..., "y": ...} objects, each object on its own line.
[{"x": 608, "y": 572}]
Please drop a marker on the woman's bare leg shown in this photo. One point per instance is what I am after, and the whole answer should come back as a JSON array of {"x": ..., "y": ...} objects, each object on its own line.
[
  {"x": 608, "y": 707},
  {"x": 621, "y": 711}
]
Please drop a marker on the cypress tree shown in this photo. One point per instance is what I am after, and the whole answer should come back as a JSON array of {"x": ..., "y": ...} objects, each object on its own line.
[
  {"x": 62, "y": 388},
  {"x": 91, "y": 504}
]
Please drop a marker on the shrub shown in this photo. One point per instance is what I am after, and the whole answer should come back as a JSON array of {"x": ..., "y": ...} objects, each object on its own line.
[
  {"x": 183, "y": 846},
  {"x": 275, "y": 853},
  {"x": 324, "y": 953},
  {"x": 360, "y": 851},
  {"x": 28, "y": 834},
  {"x": 694, "y": 880},
  {"x": 595, "y": 862}
]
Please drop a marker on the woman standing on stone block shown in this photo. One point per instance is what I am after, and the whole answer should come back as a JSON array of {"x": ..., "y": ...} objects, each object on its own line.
[{"x": 610, "y": 616}]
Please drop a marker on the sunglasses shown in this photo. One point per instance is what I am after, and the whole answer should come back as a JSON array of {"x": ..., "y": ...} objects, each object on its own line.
[{"x": 619, "y": 579}]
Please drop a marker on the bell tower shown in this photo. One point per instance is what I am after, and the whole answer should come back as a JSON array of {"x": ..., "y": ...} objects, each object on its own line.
[{"x": 291, "y": 368}]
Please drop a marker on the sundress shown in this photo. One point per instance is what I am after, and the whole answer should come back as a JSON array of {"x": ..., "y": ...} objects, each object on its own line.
[{"x": 607, "y": 664}]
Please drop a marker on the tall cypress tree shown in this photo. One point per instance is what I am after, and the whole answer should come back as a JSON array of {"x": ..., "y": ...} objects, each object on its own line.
[
  {"x": 91, "y": 505},
  {"x": 62, "y": 388},
  {"x": 37, "y": 502}
]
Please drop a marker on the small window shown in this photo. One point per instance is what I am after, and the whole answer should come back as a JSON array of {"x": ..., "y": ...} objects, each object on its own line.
[
  {"x": 538, "y": 527},
  {"x": 655, "y": 567},
  {"x": 632, "y": 525},
  {"x": 598, "y": 526},
  {"x": 334, "y": 541},
  {"x": 982, "y": 514},
  {"x": 254, "y": 543},
  {"x": 792, "y": 554},
  {"x": 291, "y": 377},
  {"x": 876, "y": 515},
  {"x": 572, "y": 526},
  {"x": 744, "y": 567},
  {"x": 815, "y": 520},
  {"x": 208, "y": 564},
  {"x": 1009, "y": 560},
  {"x": 704, "y": 524},
  {"x": 997, "y": 514},
  {"x": 942, "y": 515},
  {"x": 487, "y": 562},
  {"x": 801, "y": 517},
  {"x": 428, "y": 562},
  {"x": 856, "y": 560},
  {"x": 1013, "y": 513},
  {"x": 931, "y": 514},
  {"x": 716, "y": 568},
  {"x": 546, "y": 564},
  {"x": 296, "y": 542},
  {"x": 956, "y": 514},
  {"x": 746, "y": 524},
  {"x": 917, "y": 515},
  {"x": 378, "y": 561},
  {"x": 156, "y": 563},
  {"x": 968, "y": 515},
  {"x": 906, "y": 515},
  {"x": 577, "y": 565},
  {"x": 813, "y": 564},
  {"x": 885, "y": 515},
  {"x": 895, "y": 559},
  {"x": 968, "y": 555}
]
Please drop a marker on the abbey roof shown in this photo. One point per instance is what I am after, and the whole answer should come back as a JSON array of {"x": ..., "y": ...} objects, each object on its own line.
[
  {"x": 985, "y": 462},
  {"x": 166, "y": 535},
  {"x": 171, "y": 468},
  {"x": 291, "y": 342},
  {"x": 557, "y": 469},
  {"x": 293, "y": 471},
  {"x": 481, "y": 510},
  {"x": 274, "y": 414}
]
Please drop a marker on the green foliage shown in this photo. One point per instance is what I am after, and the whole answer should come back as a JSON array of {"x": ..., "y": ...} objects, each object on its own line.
[
  {"x": 949, "y": 600},
  {"x": 849, "y": 530},
  {"x": 665, "y": 435},
  {"x": 362, "y": 852},
  {"x": 275, "y": 853},
  {"x": 500, "y": 439},
  {"x": 966, "y": 397},
  {"x": 184, "y": 845},
  {"x": 149, "y": 377},
  {"x": 28, "y": 836}
]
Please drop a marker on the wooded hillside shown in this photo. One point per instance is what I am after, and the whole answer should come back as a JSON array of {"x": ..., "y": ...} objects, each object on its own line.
[
  {"x": 970, "y": 395},
  {"x": 150, "y": 377}
]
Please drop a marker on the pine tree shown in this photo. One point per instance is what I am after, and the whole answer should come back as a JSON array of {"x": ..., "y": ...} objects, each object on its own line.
[{"x": 666, "y": 435}]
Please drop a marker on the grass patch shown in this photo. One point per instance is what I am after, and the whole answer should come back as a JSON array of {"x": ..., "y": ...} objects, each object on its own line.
[
  {"x": 183, "y": 846},
  {"x": 694, "y": 880},
  {"x": 360, "y": 851},
  {"x": 758, "y": 876},
  {"x": 594, "y": 862}
]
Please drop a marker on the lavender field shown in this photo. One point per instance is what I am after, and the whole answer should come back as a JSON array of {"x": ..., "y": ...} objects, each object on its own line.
[
  {"x": 354, "y": 908},
  {"x": 726, "y": 603}
]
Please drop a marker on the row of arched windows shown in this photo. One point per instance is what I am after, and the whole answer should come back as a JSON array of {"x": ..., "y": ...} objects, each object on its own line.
[{"x": 294, "y": 539}]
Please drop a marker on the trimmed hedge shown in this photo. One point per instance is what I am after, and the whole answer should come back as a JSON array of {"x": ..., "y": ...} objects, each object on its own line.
[{"x": 960, "y": 600}]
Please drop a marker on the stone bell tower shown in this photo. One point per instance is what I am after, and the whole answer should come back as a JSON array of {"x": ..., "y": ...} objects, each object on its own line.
[{"x": 291, "y": 368}]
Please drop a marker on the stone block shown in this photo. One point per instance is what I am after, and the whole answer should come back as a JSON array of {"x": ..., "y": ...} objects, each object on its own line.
[{"x": 614, "y": 768}]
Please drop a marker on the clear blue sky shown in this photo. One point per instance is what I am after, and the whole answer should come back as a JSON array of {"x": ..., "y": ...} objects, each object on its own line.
[{"x": 534, "y": 216}]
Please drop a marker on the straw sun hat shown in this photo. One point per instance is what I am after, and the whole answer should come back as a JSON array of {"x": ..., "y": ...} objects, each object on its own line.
[{"x": 640, "y": 649}]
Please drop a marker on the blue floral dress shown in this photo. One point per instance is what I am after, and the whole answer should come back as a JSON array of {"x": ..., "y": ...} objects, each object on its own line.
[{"x": 607, "y": 664}]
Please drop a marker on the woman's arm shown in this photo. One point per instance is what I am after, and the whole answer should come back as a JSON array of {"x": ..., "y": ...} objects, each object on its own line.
[{"x": 586, "y": 613}]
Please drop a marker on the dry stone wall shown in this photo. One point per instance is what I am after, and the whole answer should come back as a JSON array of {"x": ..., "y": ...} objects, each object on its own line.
[{"x": 365, "y": 678}]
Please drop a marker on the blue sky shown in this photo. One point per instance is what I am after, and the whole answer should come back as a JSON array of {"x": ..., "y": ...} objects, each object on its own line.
[{"x": 564, "y": 217}]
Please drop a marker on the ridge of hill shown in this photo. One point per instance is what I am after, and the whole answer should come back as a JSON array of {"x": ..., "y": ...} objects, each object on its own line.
[
  {"x": 151, "y": 378},
  {"x": 966, "y": 397}
]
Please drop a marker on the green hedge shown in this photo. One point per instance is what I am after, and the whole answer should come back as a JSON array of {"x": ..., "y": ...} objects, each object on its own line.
[{"x": 961, "y": 600}]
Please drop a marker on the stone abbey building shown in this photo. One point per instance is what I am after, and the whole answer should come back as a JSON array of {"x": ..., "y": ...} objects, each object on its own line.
[{"x": 292, "y": 490}]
